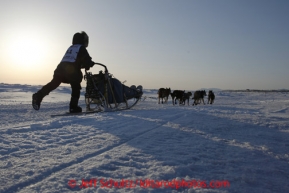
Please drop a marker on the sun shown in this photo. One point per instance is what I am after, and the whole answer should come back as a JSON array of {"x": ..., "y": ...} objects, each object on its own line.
[{"x": 27, "y": 51}]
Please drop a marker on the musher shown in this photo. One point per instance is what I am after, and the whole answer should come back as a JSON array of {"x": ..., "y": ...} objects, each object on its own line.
[{"x": 69, "y": 71}]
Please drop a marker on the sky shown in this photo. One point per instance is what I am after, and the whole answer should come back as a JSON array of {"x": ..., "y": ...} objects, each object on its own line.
[{"x": 186, "y": 44}]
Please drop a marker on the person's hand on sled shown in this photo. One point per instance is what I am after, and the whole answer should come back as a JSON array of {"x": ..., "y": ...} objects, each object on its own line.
[{"x": 91, "y": 65}]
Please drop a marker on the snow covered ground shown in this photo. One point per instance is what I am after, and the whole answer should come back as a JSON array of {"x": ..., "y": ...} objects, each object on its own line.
[{"x": 238, "y": 144}]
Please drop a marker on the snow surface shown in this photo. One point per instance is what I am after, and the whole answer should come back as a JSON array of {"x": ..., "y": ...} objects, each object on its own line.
[{"x": 241, "y": 139}]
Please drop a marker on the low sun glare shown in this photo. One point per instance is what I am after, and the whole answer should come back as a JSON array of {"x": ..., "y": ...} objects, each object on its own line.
[{"x": 26, "y": 51}]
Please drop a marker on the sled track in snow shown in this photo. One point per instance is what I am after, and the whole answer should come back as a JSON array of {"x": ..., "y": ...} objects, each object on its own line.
[{"x": 44, "y": 175}]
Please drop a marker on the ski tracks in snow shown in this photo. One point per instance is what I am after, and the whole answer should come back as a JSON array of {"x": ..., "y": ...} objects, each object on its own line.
[
  {"x": 41, "y": 150},
  {"x": 149, "y": 142}
]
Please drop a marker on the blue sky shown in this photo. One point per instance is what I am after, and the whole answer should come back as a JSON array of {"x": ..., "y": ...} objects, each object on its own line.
[{"x": 185, "y": 44}]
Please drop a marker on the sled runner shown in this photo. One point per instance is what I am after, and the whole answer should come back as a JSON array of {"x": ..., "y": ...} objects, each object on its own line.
[{"x": 105, "y": 93}]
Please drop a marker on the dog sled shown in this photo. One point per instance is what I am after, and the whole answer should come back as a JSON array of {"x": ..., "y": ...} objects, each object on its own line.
[{"x": 105, "y": 93}]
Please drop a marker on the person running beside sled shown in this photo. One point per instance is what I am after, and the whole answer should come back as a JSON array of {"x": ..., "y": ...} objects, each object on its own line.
[{"x": 68, "y": 71}]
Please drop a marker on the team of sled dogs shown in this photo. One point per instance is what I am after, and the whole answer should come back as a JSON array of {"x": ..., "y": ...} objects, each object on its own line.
[{"x": 183, "y": 97}]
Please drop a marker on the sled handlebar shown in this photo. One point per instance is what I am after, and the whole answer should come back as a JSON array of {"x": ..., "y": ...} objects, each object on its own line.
[{"x": 106, "y": 71}]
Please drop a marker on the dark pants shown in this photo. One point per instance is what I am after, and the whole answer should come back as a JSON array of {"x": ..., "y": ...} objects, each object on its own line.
[{"x": 55, "y": 82}]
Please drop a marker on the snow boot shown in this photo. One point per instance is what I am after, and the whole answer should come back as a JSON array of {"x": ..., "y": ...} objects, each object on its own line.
[
  {"x": 73, "y": 106},
  {"x": 36, "y": 100}
]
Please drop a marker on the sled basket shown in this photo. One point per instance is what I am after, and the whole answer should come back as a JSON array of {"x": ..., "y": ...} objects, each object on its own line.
[{"x": 107, "y": 92}]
